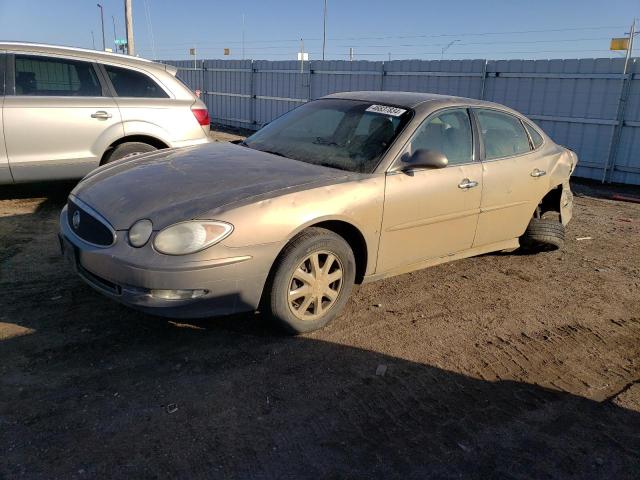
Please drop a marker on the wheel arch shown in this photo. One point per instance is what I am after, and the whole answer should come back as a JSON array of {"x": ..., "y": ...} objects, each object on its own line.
[
  {"x": 354, "y": 237},
  {"x": 349, "y": 232},
  {"x": 148, "y": 139},
  {"x": 551, "y": 202}
]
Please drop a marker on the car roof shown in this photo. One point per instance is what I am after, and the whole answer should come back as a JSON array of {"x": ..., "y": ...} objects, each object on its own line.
[
  {"x": 84, "y": 53},
  {"x": 407, "y": 99}
]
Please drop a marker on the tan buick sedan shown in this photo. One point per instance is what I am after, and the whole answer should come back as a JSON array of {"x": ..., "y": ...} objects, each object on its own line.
[
  {"x": 346, "y": 189},
  {"x": 65, "y": 111}
]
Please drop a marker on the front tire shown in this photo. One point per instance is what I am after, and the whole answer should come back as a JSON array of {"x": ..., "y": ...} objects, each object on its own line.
[{"x": 311, "y": 281}]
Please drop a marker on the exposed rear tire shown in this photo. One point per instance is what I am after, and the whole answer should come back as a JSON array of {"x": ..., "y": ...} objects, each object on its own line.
[
  {"x": 543, "y": 235},
  {"x": 311, "y": 281},
  {"x": 128, "y": 149}
]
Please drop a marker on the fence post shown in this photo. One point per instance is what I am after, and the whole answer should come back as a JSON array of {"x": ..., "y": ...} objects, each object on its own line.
[
  {"x": 309, "y": 81},
  {"x": 484, "y": 79},
  {"x": 252, "y": 97},
  {"x": 202, "y": 89}
]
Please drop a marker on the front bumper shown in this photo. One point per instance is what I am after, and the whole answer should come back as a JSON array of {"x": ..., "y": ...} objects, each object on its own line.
[{"x": 234, "y": 282}]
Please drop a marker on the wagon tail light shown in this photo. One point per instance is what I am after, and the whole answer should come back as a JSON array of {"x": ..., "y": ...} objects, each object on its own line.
[{"x": 202, "y": 116}]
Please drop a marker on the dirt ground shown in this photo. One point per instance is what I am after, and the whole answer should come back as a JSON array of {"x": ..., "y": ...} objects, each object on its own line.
[{"x": 508, "y": 366}]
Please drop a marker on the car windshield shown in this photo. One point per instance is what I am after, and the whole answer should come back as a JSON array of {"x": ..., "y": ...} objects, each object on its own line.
[{"x": 346, "y": 134}]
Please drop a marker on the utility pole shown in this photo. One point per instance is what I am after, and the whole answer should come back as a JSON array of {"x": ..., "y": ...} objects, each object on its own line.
[
  {"x": 243, "y": 36},
  {"x": 324, "y": 29},
  {"x": 93, "y": 40},
  {"x": 115, "y": 45},
  {"x": 128, "y": 14},
  {"x": 622, "y": 103},
  {"x": 301, "y": 55},
  {"x": 102, "y": 22},
  {"x": 351, "y": 54}
]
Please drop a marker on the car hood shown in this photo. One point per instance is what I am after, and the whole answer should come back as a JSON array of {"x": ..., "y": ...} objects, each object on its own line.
[{"x": 176, "y": 185}]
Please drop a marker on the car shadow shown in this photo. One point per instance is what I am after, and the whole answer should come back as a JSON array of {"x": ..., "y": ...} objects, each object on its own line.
[
  {"x": 56, "y": 192},
  {"x": 147, "y": 398}
]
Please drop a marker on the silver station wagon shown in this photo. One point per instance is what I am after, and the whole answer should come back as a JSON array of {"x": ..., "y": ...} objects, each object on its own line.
[
  {"x": 65, "y": 111},
  {"x": 350, "y": 188}
]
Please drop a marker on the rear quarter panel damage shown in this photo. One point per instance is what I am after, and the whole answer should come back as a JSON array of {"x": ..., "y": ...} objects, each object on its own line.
[{"x": 559, "y": 176}]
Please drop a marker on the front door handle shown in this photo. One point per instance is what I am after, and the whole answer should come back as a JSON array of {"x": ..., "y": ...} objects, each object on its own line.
[
  {"x": 538, "y": 173},
  {"x": 101, "y": 114},
  {"x": 466, "y": 183}
]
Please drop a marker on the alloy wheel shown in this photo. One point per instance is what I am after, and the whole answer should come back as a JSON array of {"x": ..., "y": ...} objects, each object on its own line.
[{"x": 315, "y": 285}]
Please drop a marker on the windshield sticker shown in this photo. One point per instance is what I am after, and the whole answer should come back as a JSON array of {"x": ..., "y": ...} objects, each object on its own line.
[{"x": 386, "y": 110}]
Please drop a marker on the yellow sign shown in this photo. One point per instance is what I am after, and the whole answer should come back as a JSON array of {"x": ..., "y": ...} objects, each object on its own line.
[
  {"x": 619, "y": 44},
  {"x": 227, "y": 51}
]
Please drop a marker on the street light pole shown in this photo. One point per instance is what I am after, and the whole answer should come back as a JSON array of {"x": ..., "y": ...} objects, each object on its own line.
[
  {"x": 324, "y": 29},
  {"x": 243, "y": 36},
  {"x": 102, "y": 23},
  {"x": 115, "y": 36}
]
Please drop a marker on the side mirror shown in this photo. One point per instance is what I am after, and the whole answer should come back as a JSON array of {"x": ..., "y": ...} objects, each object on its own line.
[{"x": 423, "y": 158}]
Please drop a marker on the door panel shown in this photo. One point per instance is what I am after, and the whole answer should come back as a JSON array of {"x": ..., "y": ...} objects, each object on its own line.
[
  {"x": 428, "y": 215},
  {"x": 514, "y": 178},
  {"x": 434, "y": 212},
  {"x": 510, "y": 195},
  {"x": 57, "y": 125}
]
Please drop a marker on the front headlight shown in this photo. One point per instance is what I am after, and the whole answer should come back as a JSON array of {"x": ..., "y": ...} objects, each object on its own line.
[{"x": 190, "y": 237}]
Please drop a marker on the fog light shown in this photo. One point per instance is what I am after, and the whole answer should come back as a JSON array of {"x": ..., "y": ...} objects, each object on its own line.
[
  {"x": 178, "y": 294},
  {"x": 140, "y": 232}
]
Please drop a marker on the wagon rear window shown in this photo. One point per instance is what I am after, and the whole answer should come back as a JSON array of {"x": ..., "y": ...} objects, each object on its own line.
[{"x": 129, "y": 83}]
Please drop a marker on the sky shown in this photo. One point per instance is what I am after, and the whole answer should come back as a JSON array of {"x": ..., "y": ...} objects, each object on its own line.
[{"x": 375, "y": 29}]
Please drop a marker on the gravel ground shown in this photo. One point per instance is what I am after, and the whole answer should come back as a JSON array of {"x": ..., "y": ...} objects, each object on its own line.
[{"x": 509, "y": 366}]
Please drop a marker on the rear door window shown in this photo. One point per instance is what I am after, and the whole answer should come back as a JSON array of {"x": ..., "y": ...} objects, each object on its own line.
[
  {"x": 503, "y": 134},
  {"x": 133, "y": 84},
  {"x": 55, "y": 77},
  {"x": 536, "y": 138}
]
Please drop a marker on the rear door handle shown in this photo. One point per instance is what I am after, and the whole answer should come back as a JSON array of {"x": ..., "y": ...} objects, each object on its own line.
[
  {"x": 101, "y": 114},
  {"x": 466, "y": 183},
  {"x": 538, "y": 173}
]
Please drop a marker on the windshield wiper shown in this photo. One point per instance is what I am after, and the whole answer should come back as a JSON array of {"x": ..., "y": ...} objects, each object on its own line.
[
  {"x": 331, "y": 165},
  {"x": 272, "y": 152},
  {"x": 325, "y": 141}
]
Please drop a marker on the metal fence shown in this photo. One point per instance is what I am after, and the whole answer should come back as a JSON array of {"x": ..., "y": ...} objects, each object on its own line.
[{"x": 584, "y": 104}]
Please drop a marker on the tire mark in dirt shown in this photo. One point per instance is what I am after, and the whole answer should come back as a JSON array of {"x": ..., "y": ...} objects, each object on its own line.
[{"x": 571, "y": 344}]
